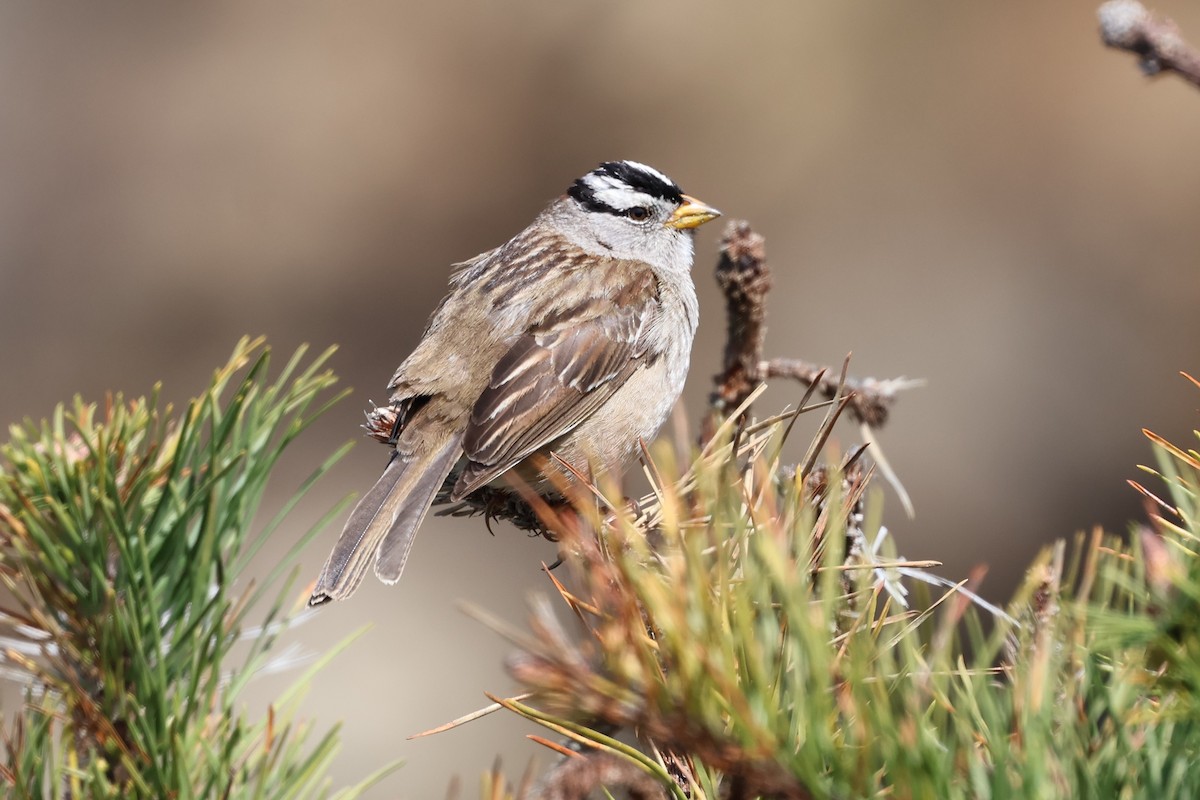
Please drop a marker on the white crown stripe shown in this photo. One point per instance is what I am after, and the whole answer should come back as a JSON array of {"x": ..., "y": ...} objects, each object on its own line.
[
  {"x": 650, "y": 171},
  {"x": 623, "y": 199}
]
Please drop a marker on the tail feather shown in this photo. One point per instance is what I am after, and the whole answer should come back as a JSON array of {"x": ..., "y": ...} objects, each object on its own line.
[
  {"x": 382, "y": 526},
  {"x": 396, "y": 544}
]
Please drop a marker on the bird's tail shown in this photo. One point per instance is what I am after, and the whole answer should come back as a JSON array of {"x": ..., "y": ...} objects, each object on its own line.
[{"x": 383, "y": 524}]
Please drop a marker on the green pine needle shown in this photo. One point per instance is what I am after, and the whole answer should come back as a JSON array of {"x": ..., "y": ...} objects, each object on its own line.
[
  {"x": 730, "y": 623},
  {"x": 125, "y": 533}
]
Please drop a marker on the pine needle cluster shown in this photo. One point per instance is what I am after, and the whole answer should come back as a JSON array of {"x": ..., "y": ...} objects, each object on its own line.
[
  {"x": 739, "y": 626},
  {"x": 125, "y": 536}
]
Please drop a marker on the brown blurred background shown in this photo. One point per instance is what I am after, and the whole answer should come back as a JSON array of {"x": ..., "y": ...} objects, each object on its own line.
[{"x": 977, "y": 194}]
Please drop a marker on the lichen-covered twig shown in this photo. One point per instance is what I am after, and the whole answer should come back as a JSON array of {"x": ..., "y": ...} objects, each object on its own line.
[
  {"x": 745, "y": 280},
  {"x": 1157, "y": 42}
]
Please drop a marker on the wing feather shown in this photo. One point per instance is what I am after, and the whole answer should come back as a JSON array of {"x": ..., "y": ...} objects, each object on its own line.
[{"x": 554, "y": 377}]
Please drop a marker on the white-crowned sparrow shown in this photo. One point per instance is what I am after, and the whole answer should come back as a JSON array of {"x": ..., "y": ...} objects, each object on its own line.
[{"x": 573, "y": 338}]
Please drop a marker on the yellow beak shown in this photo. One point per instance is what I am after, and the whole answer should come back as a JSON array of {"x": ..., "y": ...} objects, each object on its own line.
[{"x": 692, "y": 214}]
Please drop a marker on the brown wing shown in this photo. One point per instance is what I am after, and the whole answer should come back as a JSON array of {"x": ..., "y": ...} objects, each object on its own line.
[{"x": 554, "y": 377}]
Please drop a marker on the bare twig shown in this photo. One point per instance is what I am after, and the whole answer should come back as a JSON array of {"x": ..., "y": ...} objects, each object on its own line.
[
  {"x": 745, "y": 279},
  {"x": 870, "y": 398},
  {"x": 1157, "y": 42}
]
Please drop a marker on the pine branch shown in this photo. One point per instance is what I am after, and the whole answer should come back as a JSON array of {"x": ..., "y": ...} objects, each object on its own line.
[
  {"x": 732, "y": 628},
  {"x": 125, "y": 533}
]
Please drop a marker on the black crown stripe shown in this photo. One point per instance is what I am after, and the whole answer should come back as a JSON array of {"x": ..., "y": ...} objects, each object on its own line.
[{"x": 632, "y": 176}]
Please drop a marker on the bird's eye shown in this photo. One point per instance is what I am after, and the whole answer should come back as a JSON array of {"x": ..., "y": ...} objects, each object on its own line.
[{"x": 638, "y": 213}]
